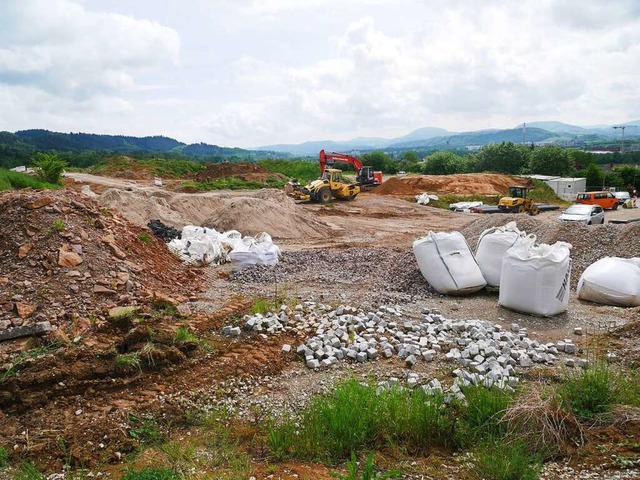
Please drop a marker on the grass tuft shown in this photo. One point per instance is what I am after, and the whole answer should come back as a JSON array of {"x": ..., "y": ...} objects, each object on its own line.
[
  {"x": 590, "y": 391},
  {"x": 151, "y": 474},
  {"x": 510, "y": 461}
]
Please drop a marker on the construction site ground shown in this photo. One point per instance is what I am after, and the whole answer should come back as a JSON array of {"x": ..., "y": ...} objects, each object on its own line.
[{"x": 73, "y": 406}]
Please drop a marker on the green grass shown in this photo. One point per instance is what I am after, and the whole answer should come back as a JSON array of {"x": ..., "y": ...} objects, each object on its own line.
[
  {"x": 4, "y": 457},
  {"x": 20, "y": 360},
  {"x": 28, "y": 471},
  {"x": 510, "y": 461},
  {"x": 145, "y": 429},
  {"x": 145, "y": 238},
  {"x": 591, "y": 391},
  {"x": 260, "y": 305},
  {"x": 15, "y": 181},
  {"x": 367, "y": 472},
  {"x": 58, "y": 225},
  {"x": 183, "y": 335},
  {"x": 543, "y": 193},
  {"x": 151, "y": 474},
  {"x": 231, "y": 183},
  {"x": 129, "y": 361},
  {"x": 303, "y": 171},
  {"x": 483, "y": 415},
  {"x": 355, "y": 417}
]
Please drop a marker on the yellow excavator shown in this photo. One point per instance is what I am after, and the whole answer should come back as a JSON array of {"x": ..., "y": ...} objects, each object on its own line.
[
  {"x": 331, "y": 185},
  {"x": 518, "y": 201}
]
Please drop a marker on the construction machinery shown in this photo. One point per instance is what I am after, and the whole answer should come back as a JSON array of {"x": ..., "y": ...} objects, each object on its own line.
[
  {"x": 331, "y": 185},
  {"x": 365, "y": 175},
  {"x": 518, "y": 201}
]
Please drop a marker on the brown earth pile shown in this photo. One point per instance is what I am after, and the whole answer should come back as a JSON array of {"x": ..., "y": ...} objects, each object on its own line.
[
  {"x": 249, "y": 212},
  {"x": 590, "y": 242},
  {"x": 461, "y": 184},
  {"x": 65, "y": 260},
  {"x": 250, "y": 172}
]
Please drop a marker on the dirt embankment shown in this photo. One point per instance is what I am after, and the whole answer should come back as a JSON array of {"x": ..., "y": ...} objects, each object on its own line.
[
  {"x": 66, "y": 260},
  {"x": 462, "y": 184},
  {"x": 249, "y": 172},
  {"x": 249, "y": 212}
]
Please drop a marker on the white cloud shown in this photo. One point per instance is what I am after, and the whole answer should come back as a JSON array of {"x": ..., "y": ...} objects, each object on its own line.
[
  {"x": 256, "y": 72},
  {"x": 62, "y": 49}
]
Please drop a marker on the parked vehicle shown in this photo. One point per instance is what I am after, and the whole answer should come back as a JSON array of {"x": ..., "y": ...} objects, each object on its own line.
[
  {"x": 606, "y": 200},
  {"x": 587, "y": 214},
  {"x": 622, "y": 196}
]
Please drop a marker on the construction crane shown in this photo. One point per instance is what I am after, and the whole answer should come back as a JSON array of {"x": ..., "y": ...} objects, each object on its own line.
[{"x": 622, "y": 127}]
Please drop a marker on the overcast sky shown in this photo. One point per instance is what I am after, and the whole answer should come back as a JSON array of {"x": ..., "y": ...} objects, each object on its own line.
[{"x": 256, "y": 72}]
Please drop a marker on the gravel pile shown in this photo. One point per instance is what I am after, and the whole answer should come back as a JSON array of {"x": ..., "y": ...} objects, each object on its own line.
[
  {"x": 392, "y": 274},
  {"x": 590, "y": 242}
]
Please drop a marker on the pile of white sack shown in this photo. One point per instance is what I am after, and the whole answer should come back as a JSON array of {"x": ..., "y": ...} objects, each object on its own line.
[
  {"x": 201, "y": 245},
  {"x": 532, "y": 278},
  {"x": 425, "y": 198}
]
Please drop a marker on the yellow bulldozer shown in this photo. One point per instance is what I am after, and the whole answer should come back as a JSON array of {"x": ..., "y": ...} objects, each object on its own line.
[
  {"x": 518, "y": 201},
  {"x": 331, "y": 185}
]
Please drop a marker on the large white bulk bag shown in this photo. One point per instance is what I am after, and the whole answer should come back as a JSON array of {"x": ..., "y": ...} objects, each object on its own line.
[
  {"x": 258, "y": 250},
  {"x": 535, "y": 278},
  {"x": 446, "y": 262},
  {"x": 612, "y": 281},
  {"x": 492, "y": 245}
]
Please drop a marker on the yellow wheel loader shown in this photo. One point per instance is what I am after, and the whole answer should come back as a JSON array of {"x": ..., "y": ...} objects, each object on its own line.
[
  {"x": 518, "y": 201},
  {"x": 329, "y": 186}
]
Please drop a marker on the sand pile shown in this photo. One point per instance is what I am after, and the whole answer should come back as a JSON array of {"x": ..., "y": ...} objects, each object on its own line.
[
  {"x": 462, "y": 184},
  {"x": 590, "y": 242},
  {"x": 266, "y": 210}
]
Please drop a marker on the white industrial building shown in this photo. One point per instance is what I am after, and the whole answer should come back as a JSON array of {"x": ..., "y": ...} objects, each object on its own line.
[{"x": 566, "y": 188}]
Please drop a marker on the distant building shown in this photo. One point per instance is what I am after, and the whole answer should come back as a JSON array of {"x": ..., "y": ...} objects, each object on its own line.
[{"x": 565, "y": 188}]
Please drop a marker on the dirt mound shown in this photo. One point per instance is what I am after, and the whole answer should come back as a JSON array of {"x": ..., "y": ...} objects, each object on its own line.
[
  {"x": 590, "y": 242},
  {"x": 251, "y": 213},
  {"x": 462, "y": 184},
  {"x": 67, "y": 261},
  {"x": 250, "y": 172}
]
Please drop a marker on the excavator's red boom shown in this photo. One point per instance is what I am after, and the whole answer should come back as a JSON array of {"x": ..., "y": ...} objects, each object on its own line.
[{"x": 365, "y": 175}]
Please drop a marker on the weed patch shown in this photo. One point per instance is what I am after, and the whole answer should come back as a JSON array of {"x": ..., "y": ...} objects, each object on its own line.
[
  {"x": 367, "y": 472},
  {"x": 500, "y": 461},
  {"x": 483, "y": 415},
  {"x": 129, "y": 361},
  {"x": 590, "y": 391},
  {"x": 4, "y": 457},
  {"x": 145, "y": 238},
  {"x": 15, "y": 181},
  {"x": 28, "y": 471}
]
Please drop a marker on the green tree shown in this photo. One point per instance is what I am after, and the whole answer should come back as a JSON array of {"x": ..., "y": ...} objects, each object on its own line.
[
  {"x": 410, "y": 157},
  {"x": 551, "y": 160},
  {"x": 505, "y": 157},
  {"x": 594, "y": 175},
  {"x": 629, "y": 175},
  {"x": 581, "y": 159},
  {"x": 49, "y": 167},
  {"x": 444, "y": 163}
]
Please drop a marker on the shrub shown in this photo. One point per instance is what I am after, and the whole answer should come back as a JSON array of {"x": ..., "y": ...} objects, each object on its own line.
[
  {"x": 511, "y": 461},
  {"x": 151, "y": 474},
  {"x": 49, "y": 167},
  {"x": 14, "y": 181},
  {"x": 590, "y": 391}
]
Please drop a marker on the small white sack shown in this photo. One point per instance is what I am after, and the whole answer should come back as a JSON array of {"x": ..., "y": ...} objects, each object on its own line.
[
  {"x": 535, "y": 279},
  {"x": 611, "y": 281},
  {"x": 446, "y": 262},
  {"x": 492, "y": 245}
]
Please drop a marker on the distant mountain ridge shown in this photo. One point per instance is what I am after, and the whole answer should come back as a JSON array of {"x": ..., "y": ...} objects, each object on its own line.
[
  {"x": 433, "y": 137},
  {"x": 74, "y": 142}
]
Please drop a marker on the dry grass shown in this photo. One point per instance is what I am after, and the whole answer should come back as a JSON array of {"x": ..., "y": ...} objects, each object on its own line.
[{"x": 544, "y": 426}]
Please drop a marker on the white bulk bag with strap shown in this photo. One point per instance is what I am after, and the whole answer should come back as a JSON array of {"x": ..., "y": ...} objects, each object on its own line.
[
  {"x": 491, "y": 247},
  {"x": 611, "y": 281},
  {"x": 446, "y": 262},
  {"x": 535, "y": 278}
]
